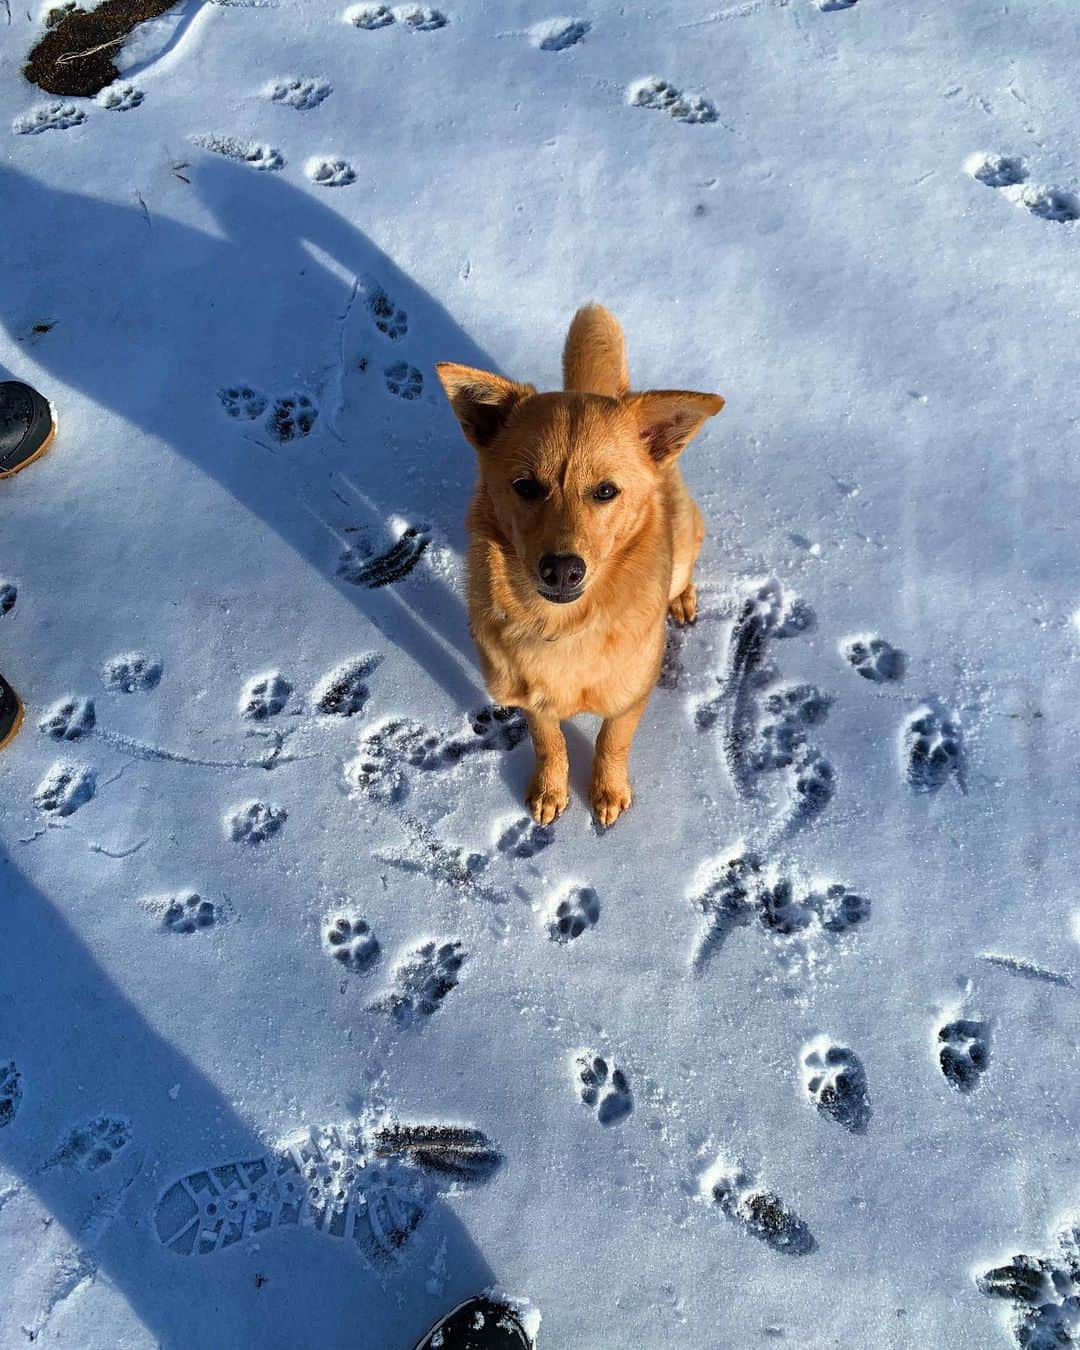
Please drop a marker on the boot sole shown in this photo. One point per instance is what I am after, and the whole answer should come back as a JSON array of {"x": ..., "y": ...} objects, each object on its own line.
[
  {"x": 10, "y": 473},
  {"x": 13, "y": 730}
]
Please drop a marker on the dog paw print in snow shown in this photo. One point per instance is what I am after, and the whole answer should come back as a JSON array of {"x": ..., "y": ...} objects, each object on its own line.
[
  {"x": 575, "y": 911},
  {"x": 404, "y": 381},
  {"x": 1008, "y": 173},
  {"x": 187, "y": 912},
  {"x": 68, "y": 719},
  {"x": 292, "y": 417},
  {"x": 835, "y": 1082},
  {"x": 759, "y": 1212},
  {"x": 243, "y": 402},
  {"x": 963, "y": 1048},
  {"x": 9, "y": 593},
  {"x": 254, "y": 822},
  {"x": 64, "y": 789},
  {"x": 873, "y": 658},
  {"x": 94, "y": 1145},
  {"x": 265, "y": 696},
  {"x": 131, "y": 673},
  {"x": 603, "y": 1088},
  {"x": 303, "y": 95},
  {"x": 119, "y": 98},
  {"x": 349, "y": 939},
  {"x": 930, "y": 749},
  {"x": 343, "y": 692},
  {"x": 652, "y": 92},
  {"x": 330, "y": 172},
  {"x": 48, "y": 117}
]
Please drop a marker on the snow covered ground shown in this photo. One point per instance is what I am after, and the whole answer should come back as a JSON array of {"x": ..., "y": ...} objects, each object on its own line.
[{"x": 832, "y": 950}]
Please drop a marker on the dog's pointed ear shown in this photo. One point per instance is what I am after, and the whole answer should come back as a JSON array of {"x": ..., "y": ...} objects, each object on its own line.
[
  {"x": 668, "y": 419},
  {"x": 481, "y": 401}
]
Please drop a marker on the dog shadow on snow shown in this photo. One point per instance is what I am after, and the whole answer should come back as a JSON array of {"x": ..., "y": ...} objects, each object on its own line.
[
  {"x": 83, "y": 1048},
  {"x": 163, "y": 303}
]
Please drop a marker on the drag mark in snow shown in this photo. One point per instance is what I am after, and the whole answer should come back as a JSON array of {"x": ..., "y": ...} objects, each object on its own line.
[
  {"x": 361, "y": 565},
  {"x": 1028, "y": 970},
  {"x": 259, "y": 156},
  {"x": 456, "y": 1152},
  {"x": 556, "y": 35},
  {"x": 759, "y": 1212}
]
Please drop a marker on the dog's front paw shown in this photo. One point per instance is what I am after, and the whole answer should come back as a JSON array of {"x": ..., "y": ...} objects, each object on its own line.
[
  {"x": 683, "y": 609},
  {"x": 610, "y": 798},
  {"x": 547, "y": 797}
]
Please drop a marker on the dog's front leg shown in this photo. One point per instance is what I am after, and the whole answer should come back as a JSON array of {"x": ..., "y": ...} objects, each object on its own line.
[
  {"x": 548, "y": 793},
  {"x": 611, "y": 793}
]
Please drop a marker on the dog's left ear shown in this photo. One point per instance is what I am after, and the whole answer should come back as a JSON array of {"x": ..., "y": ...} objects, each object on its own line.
[
  {"x": 668, "y": 419},
  {"x": 481, "y": 401}
]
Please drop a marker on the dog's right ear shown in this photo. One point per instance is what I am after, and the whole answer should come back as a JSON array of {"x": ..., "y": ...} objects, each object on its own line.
[{"x": 481, "y": 401}]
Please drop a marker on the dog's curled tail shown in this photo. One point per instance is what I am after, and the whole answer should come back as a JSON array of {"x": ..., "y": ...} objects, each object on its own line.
[{"x": 594, "y": 357}]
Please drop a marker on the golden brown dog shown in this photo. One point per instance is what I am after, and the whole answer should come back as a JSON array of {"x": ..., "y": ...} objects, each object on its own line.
[{"x": 583, "y": 537}]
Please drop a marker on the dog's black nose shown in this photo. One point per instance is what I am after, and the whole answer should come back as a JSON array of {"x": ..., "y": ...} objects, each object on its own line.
[{"x": 562, "y": 571}]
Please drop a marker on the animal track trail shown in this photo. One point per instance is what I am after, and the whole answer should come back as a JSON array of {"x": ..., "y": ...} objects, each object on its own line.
[
  {"x": 603, "y": 1088},
  {"x": 873, "y": 658},
  {"x": 93, "y": 1145},
  {"x": 657, "y": 94},
  {"x": 415, "y": 18},
  {"x": 65, "y": 788},
  {"x": 421, "y": 982},
  {"x": 732, "y": 890},
  {"x": 931, "y": 749},
  {"x": 523, "y": 838},
  {"x": 132, "y": 672},
  {"x": 186, "y": 912},
  {"x": 1044, "y": 1292},
  {"x": 557, "y": 35},
  {"x": 330, "y": 173},
  {"x": 431, "y": 856},
  {"x": 301, "y": 94},
  {"x": 1008, "y": 174},
  {"x": 9, "y": 593},
  {"x": 254, "y": 822},
  {"x": 386, "y": 316},
  {"x": 48, "y": 117},
  {"x": 389, "y": 748},
  {"x": 344, "y": 691},
  {"x": 769, "y": 611},
  {"x": 963, "y": 1051},
  {"x": 120, "y": 98},
  {"x": 243, "y": 402},
  {"x": 835, "y": 1082},
  {"x": 759, "y": 1212},
  {"x": 361, "y": 565},
  {"x": 404, "y": 381},
  {"x": 371, "y": 1187},
  {"x": 10, "y": 1092},
  {"x": 458, "y": 1152},
  {"x": 292, "y": 417},
  {"x": 259, "y": 156},
  {"x": 350, "y": 941},
  {"x": 265, "y": 696},
  {"x": 576, "y": 911}
]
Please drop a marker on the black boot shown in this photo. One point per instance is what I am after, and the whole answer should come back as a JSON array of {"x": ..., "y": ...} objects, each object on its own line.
[
  {"x": 10, "y": 712},
  {"x": 26, "y": 426},
  {"x": 480, "y": 1324}
]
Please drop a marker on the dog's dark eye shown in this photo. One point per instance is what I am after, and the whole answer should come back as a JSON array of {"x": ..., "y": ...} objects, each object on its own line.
[
  {"x": 606, "y": 492},
  {"x": 529, "y": 489}
]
